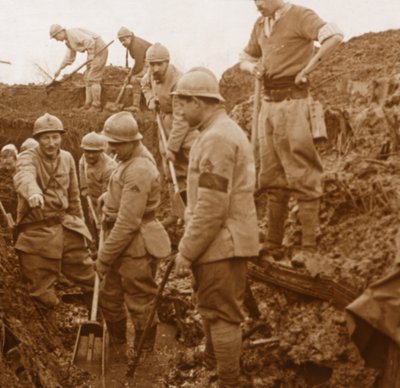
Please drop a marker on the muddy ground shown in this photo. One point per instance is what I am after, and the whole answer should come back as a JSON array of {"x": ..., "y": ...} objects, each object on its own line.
[{"x": 303, "y": 341}]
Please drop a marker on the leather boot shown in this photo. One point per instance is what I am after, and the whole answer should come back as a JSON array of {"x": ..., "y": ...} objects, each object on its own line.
[
  {"x": 117, "y": 341},
  {"x": 135, "y": 107},
  {"x": 149, "y": 341},
  {"x": 88, "y": 98},
  {"x": 117, "y": 331},
  {"x": 227, "y": 342},
  {"x": 309, "y": 219},
  {"x": 96, "y": 96},
  {"x": 277, "y": 214}
]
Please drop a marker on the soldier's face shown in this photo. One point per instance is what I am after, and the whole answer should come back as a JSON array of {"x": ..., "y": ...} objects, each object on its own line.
[
  {"x": 60, "y": 36},
  {"x": 125, "y": 41},
  {"x": 92, "y": 157},
  {"x": 122, "y": 150},
  {"x": 268, "y": 7},
  {"x": 50, "y": 144},
  {"x": 158, "y": 69},
  {"x": 191, "y": 110}
]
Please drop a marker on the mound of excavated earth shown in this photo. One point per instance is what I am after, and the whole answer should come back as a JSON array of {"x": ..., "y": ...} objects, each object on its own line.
[{"x": 301, "y": 338}]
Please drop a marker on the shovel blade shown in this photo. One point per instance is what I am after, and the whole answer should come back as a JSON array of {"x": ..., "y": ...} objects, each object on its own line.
[
  {"x": 113, "y": 107},
  {"x": 89, "y": 350},
  {"x": 178, "y": 206}
]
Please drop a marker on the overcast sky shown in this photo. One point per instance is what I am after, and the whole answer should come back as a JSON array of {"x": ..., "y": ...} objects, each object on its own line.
[{"x": 197, "y": 32}]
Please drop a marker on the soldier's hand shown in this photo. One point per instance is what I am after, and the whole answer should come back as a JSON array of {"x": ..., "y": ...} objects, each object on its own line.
[
  {"x": 170, "y": 156},
  {"x": 36, "y": 200},
  {"x": 301, "y": 78},
  {"x": 182, "y": 265},
  {"x": 101, "y": 268},
  {"x": 154, "y": 103}
]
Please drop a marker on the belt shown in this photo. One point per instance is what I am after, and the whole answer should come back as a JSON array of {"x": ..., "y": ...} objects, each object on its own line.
[
  {"x": 50, "y": 221},
  {"x": 290, "y": 93},
  {"x": 147, "y": 217}
]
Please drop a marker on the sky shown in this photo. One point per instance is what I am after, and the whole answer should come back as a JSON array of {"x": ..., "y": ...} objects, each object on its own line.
[{"x": 208, "y": 33}]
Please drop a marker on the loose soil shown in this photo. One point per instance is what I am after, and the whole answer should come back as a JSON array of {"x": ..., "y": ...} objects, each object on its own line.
[{"x": 304, "y": 342}]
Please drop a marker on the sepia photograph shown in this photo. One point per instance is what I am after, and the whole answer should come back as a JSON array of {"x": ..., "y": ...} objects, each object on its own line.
[{"x": 200, "y": 193}]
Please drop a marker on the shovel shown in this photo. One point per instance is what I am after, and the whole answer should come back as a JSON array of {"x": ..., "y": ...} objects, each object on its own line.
[
  {"x": 54, "y": 82},
  {"x": 89, "y": 347},
  {"x": 116, "y": 106},
  {"x": 178, "y": 206}
]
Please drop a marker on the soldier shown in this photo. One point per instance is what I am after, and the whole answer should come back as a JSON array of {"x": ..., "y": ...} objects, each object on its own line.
[
  {"x": 157, "y": 88},
  {"x": 135, "y": 240},
  {"x": 137, "y": 48},
  {"x": 281, "y": 53},
  {"x": 51, "y": 228},
  {"x": 8, "y": 158},
  {"x": 95, "y": 168},
  {"x": 79, "y": 39},
  {"x": 30, "y": 142},
  {"x": 221, "y": 229}
]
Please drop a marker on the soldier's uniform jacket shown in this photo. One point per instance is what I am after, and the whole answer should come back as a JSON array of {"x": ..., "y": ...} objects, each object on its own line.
[
  {"x": 132, "y": 197},
  {"x": 58, "y": 183},
  {"x": 137, "y": 50},
  {"x": 79, "y": 39},
  {"x": 180, "y": 135},
  {"x": 94, "y": 178},
  {"x": 220, "y": 219}
]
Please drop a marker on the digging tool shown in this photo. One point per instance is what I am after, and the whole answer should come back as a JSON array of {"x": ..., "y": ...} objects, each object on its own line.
[
  {"x": 256, "y": 111},
  {"x": 54, "y": 82},
  {"x": 116, "y": 106},
  {"x": 8, "y": 217},
  {"x": 89, "y": 347},
  {"x": 5, "y": 62},
  {"x": 178, "y": 206},
  {"x": 94, "y": 217},
  {"x": 136, "y": 357}
]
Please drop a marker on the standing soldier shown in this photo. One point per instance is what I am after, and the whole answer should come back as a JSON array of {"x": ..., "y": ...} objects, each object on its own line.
[
  {"x": 137, "y": 48},
  {"x": 95, "y": 168},
  {"x": 281, "y": 52},
  {"x": 221, "y": 229},
  {"x": 157, "y": 88},
  {"x": 135, "y": 241},
  {"x": 51, "y": 228},
  {"x": 79, "y": 39}
]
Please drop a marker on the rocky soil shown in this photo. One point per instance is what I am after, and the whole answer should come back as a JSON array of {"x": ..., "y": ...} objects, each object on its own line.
[{"x": 303, "y": 341}]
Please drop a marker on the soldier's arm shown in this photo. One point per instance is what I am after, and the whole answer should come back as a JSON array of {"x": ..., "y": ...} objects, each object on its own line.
[
  {"x": 132, "y": 207},
  {"x": 250, "y": 56},
  {"x": 68, "y": 59},
  {"x": 82, "y": 177},
  {"x": 147, "y": 89},
  {"x": 180, "y": 128},
  {"x": 74, "y": 201},
  {"x": 217, "y": 161},
  {"x": 25, "y": 178},
  {"x": 110, "y": 167}
]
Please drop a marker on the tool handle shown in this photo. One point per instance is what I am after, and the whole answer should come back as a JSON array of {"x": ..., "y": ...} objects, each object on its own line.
[
  {"x": 91, "y": 208},
  {"x": 164, "y": 143},
  {"x": 256, "y": 110},
  {"x": 95, "y": 302},
  {"x": 8, "y": 216},
  {"x": 124, "y": 85}
]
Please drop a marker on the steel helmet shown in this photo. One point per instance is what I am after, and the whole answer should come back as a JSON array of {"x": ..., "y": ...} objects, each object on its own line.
[
  {"x": 157, "y": 53},
  {"x": 123, "y": 32},
  {"x": 55, "y": 29},
  {"x": 30, "y": 142},
  {"x": 10, "y": 147},
  {"x": 200, "y": 82},
  {"x": 121, "y": 128},
  {"x": 47, "y": 123},
  {"x": 93, "y": 141}
]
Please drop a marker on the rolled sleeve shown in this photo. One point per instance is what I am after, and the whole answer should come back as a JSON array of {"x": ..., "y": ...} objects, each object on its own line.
[
  {"x": 328, "y": 30},
  {"x": 253, "y": 49},
  {"x": 25, "y": 179}
]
